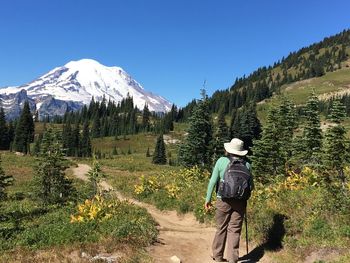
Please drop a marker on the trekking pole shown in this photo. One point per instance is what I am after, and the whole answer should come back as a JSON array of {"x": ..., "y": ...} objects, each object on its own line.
[{"x": 246, "y": 230}]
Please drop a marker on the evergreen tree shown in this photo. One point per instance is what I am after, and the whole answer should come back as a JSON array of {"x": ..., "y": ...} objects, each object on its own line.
[
  {"x": 221, "y": 135},
  {"x": 146, "y": 114},
  {"x": 286, "y": 123},
  {"x": 24, "y": 134},
  {"x": 235, "y": 126},
  {"x": 52, "y": 187},
  {"x": 197, "y": 148},
  {"x": 267, "y": 156},
  {"x": 133, "y": 121},
  {"x": 249, "y": 125},
  {"x": 76, "y": 146},
  {"x": 96, "y": 127},
  {"x": 68, "y": 139},
  {"x": 85, "y": 141},
  {"x": 312, "y": 134},
  {"x": 4, "y": 132},
  {"x": 36, "y": 150},
  {"x": 159, "y": 156},
  {"x": 11, "y": 132},
  {"x": 5, "y": 181},
  {"x": 148, "y": 153},
  {"x": 335, "y": 150}
]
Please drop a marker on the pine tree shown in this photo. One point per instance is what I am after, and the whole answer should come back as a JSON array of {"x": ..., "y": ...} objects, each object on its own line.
[
  {"x": 36, "y": 150},
  {"x": 96, "y": 127},
  {"x": 146, "y": 114},
  {"x": 52, "y": 187},
  {"x": 24, "y": 134},
  {"x": 197, "y": 148},
  {"x": 85, "y": 141},
  {"x": 335, "y": 149},
  {"x": 267, "y": 156},
  {"x": 11, "y": 132},
  {"x": 4, "y": 132},
  {"x": 159, "y": 155},
  {"x": 235, "y": 125},
  {"x": 249, "y": 125},
  {"x": 221, "y": 135},
  {"x": 287, "y": 123},
  {"x": 68, "y": 139},
  {"x": 76, "y": 146},
  {"x": 5, "y": 181},
  {"x": 312, "y": 134}
]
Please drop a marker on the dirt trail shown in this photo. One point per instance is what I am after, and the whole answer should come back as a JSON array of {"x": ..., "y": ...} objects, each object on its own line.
[{"x": 182, "y": 236}]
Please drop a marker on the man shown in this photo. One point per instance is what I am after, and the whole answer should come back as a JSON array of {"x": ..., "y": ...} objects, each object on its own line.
[{"x": 229, "y": 212}]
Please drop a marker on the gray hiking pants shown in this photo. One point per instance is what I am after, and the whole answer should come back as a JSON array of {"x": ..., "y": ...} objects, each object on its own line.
[{"x": 229, "y": 219}]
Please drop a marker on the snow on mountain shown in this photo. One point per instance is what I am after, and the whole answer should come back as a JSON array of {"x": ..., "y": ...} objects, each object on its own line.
[{"x": 77, "y": 82}]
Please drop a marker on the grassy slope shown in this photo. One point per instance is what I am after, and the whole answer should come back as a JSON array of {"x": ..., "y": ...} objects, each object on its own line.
[{"x": 298, "y": 92}]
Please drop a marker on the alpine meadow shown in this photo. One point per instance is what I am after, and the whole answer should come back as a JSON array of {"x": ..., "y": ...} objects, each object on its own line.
[{"x": 95, "y": 168}]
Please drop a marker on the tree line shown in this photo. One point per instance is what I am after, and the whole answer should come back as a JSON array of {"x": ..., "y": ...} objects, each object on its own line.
[
  {"x": 290, "y": 139},
  {"x": 312, "y": 61}
]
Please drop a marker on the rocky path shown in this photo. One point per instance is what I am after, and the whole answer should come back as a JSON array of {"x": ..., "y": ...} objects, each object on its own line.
[{"x": 180, "y": 236}]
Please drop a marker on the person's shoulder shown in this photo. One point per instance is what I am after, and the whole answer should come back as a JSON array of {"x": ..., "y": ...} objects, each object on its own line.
[{"x": 223, "y": 159}]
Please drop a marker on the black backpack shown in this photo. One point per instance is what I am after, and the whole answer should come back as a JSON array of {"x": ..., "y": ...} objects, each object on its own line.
[{"x": 236, "y": 183}]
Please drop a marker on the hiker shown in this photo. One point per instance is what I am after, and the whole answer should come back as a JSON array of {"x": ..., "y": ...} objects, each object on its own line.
[{"x": 229, "y": 211}]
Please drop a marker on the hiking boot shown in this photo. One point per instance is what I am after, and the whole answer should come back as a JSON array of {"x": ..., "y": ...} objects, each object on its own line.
[{"x": 219, "y": 259}]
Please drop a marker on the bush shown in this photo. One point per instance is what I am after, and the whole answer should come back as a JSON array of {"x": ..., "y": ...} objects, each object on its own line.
[{"x": 180, "y": 190}]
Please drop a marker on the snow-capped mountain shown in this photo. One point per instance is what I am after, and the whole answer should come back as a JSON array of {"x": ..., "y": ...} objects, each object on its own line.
[{"x": 71, "y": 86}]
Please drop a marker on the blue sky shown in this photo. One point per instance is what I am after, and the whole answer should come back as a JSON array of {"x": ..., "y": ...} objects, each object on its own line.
[{"x": 170, "y": 47}]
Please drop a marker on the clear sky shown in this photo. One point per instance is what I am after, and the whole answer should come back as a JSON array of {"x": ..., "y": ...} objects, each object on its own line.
[{"x": 169, "y": 46}]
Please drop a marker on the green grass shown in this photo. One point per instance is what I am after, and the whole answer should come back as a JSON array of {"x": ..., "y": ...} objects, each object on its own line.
[
  {"x": 137, "y": 143},
  {"x": 26, "y": 226},
  {"x": 301, "y": 90}
]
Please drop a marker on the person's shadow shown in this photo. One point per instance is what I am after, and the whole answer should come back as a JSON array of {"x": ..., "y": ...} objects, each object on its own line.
[{"x": 273, "y": 241}]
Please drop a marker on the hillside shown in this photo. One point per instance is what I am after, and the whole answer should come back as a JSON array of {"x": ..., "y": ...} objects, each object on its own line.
[{"x": 317, "y": 60}]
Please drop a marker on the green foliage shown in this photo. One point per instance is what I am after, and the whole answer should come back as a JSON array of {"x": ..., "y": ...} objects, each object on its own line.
[
  {"x": 180, "y": 190},
  {"x": 267, "y": 158},
  {"x": 52, "y": 227},
  {"x": 146, "y": 115},
  {"x": 245, "y": 125},
  {"x": 336, "y": 145},
  {"x": 197, "y": 148},
  {"x": 221, "y": 136},
  {"x": 26, "y": 226},
  {"x": 96, "y": 127},
  {"x": 274, "y": 148},
  {"x": 5, "y": 181},
  {"x": 24, "y": 134},
  {"x": 86, "y": 147},
  {"x": 313, "y": 61},
  {"x": 4, "y": 132},
  {"x": 95, "y": 176},
  {"x": 310, "y": 213},
  {"x": 312, "y": 133},
  {"x": 51, "y": 185},
  {"x": 159, "y": 155}
]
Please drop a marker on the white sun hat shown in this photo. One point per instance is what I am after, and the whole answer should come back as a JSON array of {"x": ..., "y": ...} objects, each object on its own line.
[{"x": 235, "y": 146}]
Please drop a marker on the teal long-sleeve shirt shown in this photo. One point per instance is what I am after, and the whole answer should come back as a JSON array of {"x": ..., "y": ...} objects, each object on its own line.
[{"x": 218, "y": 174}]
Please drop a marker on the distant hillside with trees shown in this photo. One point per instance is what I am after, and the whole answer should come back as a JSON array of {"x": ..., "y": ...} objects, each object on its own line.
[{"x": 308, "y": 62}]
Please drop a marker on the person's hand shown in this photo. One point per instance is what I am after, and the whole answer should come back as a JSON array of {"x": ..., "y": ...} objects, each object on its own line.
[{"x": 207, "y": 206}]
